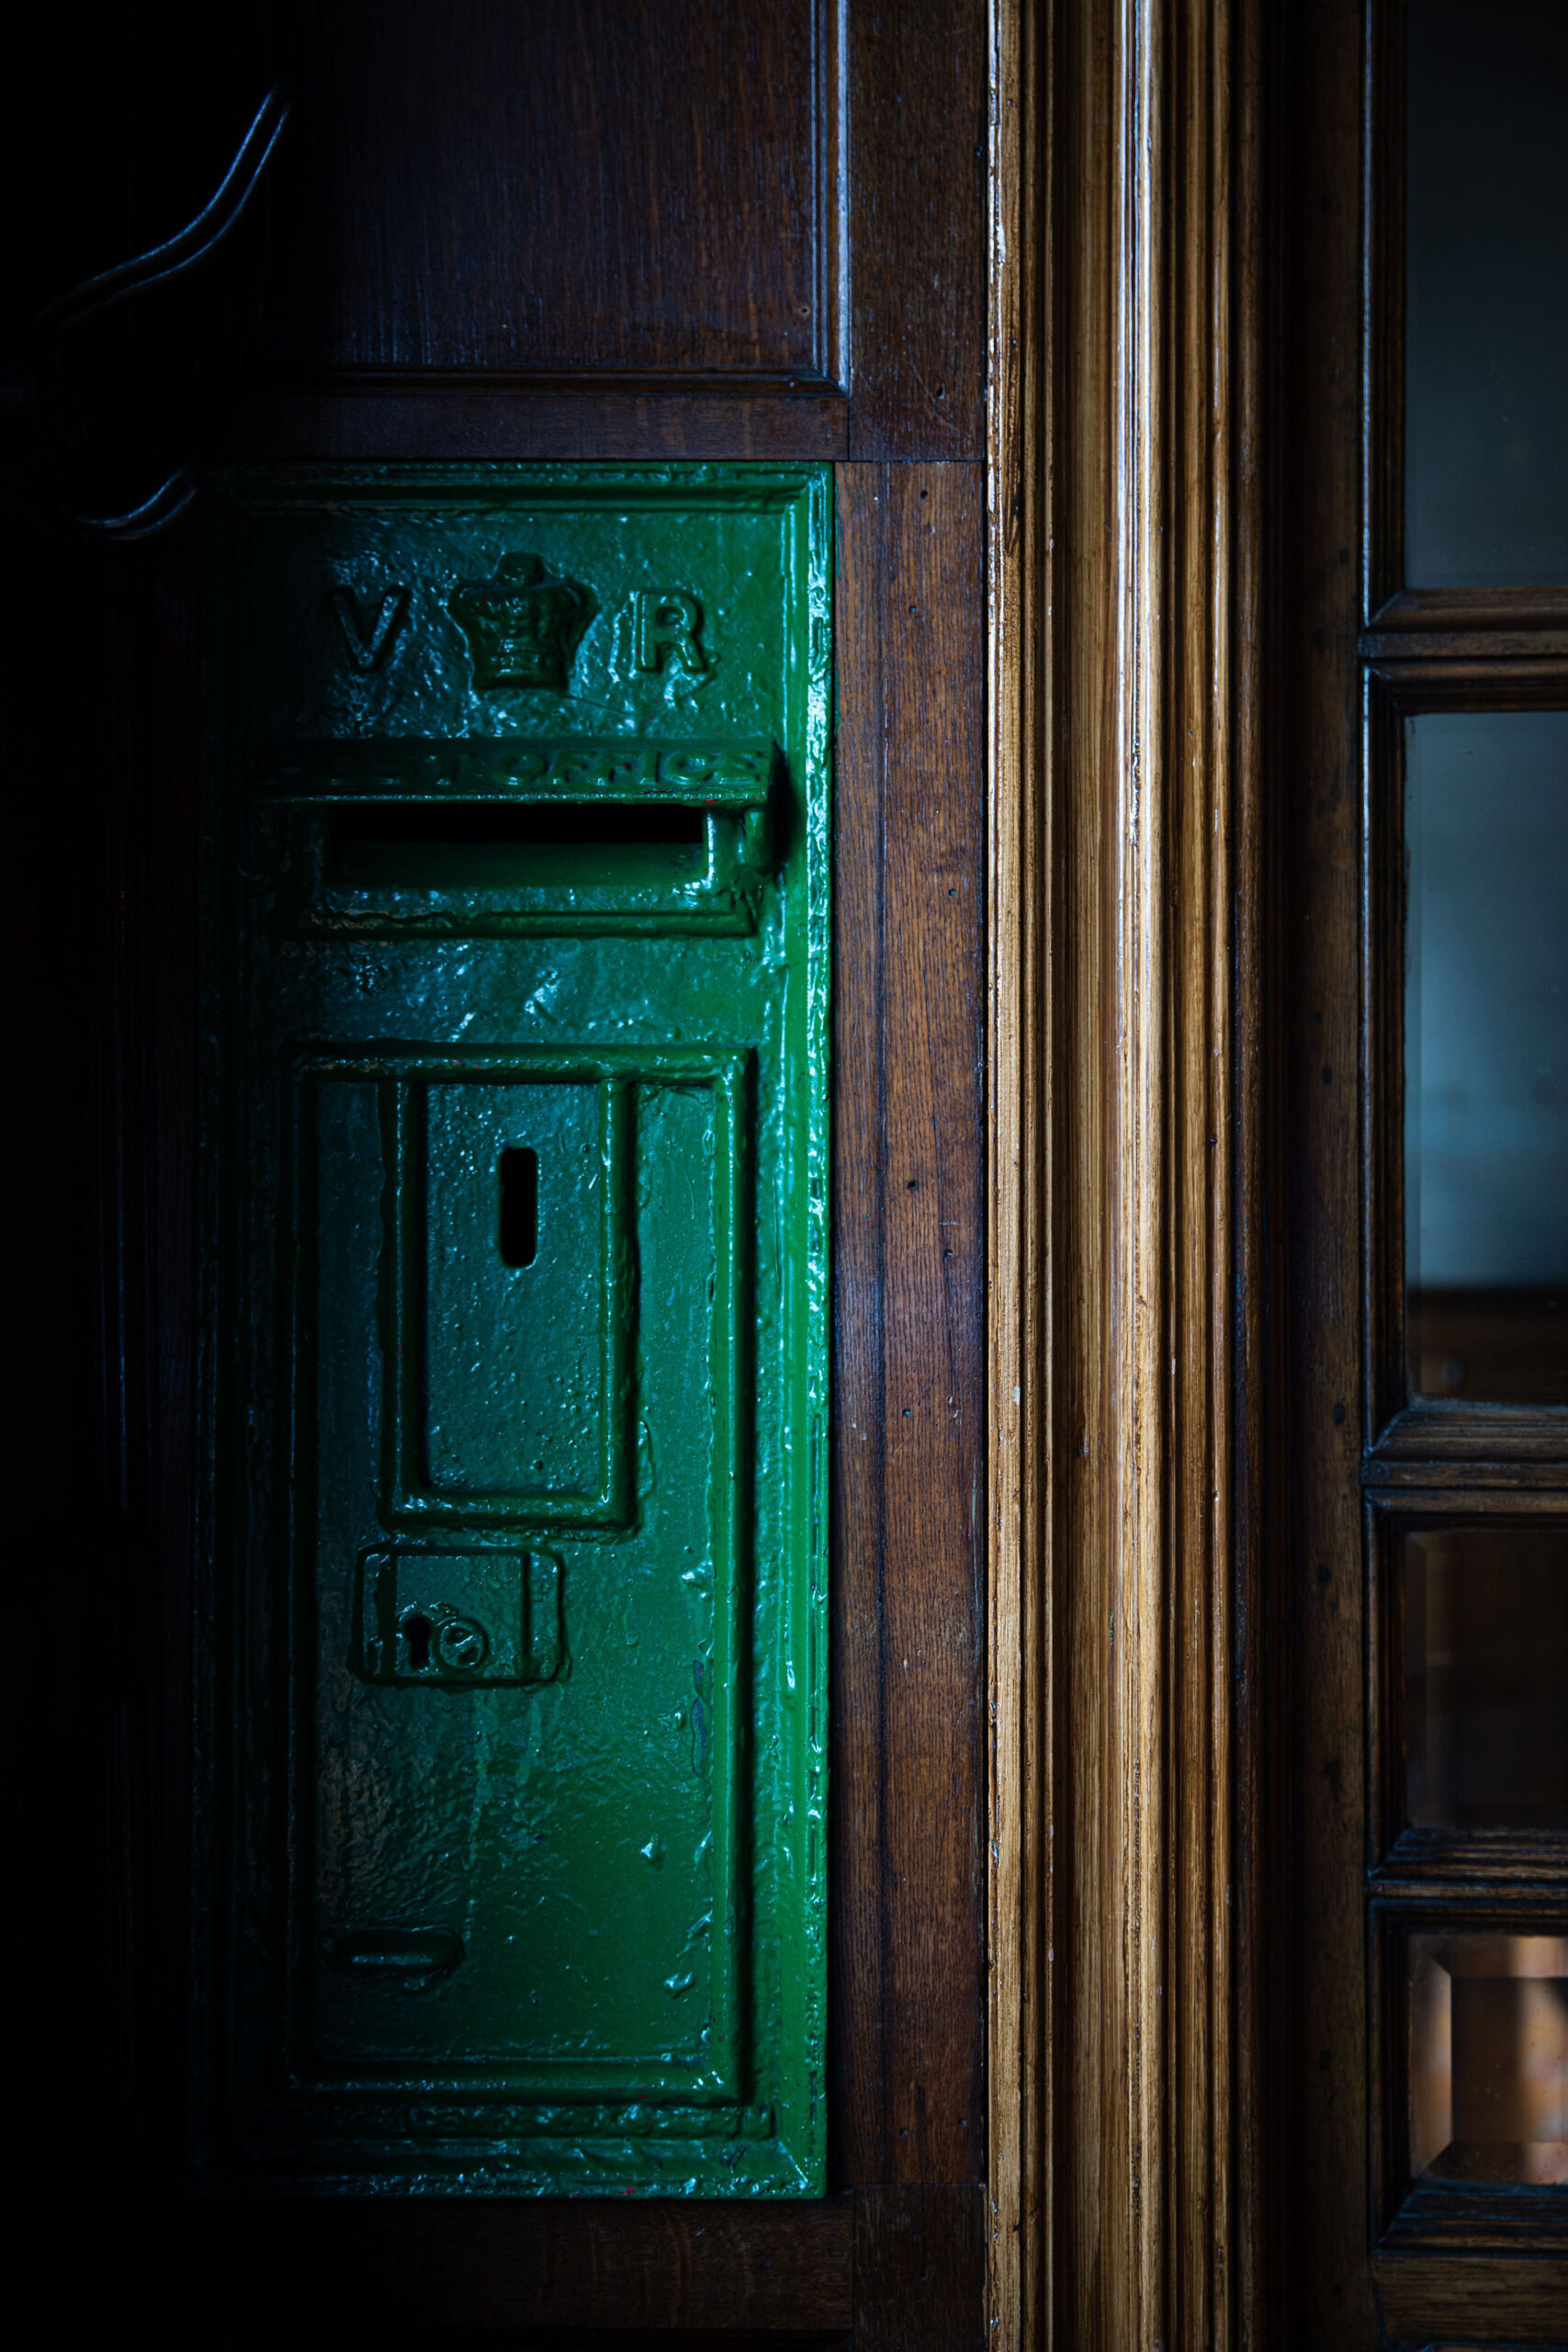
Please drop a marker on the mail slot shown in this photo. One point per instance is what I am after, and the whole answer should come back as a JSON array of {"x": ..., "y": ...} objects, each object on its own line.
[{"x": 515, "y": 1262}]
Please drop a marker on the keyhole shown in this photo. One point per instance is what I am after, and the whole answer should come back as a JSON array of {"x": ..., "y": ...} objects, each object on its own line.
[
  {"x": 519, "y": 1206},
  {"x": 416, "y": 1633}
]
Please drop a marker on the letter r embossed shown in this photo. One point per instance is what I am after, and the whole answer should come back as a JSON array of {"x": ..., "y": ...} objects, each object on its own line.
[{"x": 669, "y": 626}]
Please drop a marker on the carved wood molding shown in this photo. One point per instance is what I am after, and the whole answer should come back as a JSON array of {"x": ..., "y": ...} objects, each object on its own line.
[{"x": 1126, "y": 2041}]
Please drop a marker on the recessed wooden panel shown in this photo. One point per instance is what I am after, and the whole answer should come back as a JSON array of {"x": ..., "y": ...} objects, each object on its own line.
[{"x": 641, "y": 191}]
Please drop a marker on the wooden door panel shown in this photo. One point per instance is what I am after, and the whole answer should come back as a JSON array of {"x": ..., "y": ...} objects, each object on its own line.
[
  {"x": 909, "y": 1163},
  {"x": 768, "y": 241},
  {"x": 1376, "y": 2244},
  {"x": 550, "y": 2264},
  {"x": 638, "y": 191},
  {"x": 754, "y": 233}
]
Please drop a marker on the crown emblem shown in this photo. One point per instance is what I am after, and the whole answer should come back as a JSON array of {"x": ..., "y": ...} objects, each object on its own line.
[{"x": 524, "y": 625}]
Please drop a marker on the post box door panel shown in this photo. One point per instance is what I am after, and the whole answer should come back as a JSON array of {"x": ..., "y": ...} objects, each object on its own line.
[{"x": 516, "y": 1270}]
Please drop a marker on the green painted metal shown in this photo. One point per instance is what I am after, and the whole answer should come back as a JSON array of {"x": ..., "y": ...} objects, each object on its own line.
[{"x": 516, "y": 1290}]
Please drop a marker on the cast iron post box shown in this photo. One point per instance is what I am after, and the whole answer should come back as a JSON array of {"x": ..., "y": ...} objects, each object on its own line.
[{"x": 517, "y": 1291}]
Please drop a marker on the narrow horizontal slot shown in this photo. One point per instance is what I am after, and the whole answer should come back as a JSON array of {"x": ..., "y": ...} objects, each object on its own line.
[
  {"x": 397, "y": 1952},
  {"x": 538, "y": 824}
]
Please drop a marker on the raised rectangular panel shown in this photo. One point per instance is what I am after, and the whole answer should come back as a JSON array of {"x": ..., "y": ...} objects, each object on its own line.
[
  {"x": 516, "y": 1269},
  {"x": 699, "y": 175},
  {"x": 583, "y": 1922},
  {"x": 513, "y": 1389}
]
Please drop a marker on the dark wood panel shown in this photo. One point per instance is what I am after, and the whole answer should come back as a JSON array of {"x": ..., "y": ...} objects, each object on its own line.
[
  {"x": 646, "y": 196},
  {"x": 1327, "y": 2288},
  {"x": 641, "y": 187},
  {"x": 366, "y": 2264},
  {"x": 575, "y": 2339},
  {"x": 908, "y": 1953},
  {"x": 309, "y": 2337},
  {"x": 615, "y": 426},
  {"x": 1440, "y": 612},
  {"x": 919, "y": 2259},
  {"x": 614, "y": 231},
  {"x": 1505, "y": 2298},
  {"x": 918, "y": 95}
]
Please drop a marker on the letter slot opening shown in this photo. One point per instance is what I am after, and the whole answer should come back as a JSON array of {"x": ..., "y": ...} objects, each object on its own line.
[
  {"x": 519, "y": 1225},
  {"x": 472, "y": 845}
]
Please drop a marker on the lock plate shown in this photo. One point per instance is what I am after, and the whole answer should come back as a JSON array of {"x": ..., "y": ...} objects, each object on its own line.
[{"x": 459, "y": 1621}]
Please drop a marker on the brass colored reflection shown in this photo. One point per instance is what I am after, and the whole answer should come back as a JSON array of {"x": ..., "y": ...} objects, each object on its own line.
[
  {"x": 1489, "y": 2057},
  {"x": 1486, "y": 1675}
]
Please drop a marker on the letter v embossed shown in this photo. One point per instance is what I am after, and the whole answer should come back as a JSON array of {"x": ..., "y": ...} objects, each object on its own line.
[{"x": 368, "y": 629}]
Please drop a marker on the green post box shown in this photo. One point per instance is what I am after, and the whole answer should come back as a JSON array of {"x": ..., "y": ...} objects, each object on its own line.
[{"x": 516, "y": 1293}]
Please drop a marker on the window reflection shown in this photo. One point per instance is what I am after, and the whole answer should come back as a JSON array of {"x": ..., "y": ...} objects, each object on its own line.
[
  {"x": 1486, "y": 1054},
  {"x": 1489, "y": 2057},
  {"x": 1486, "y": 295},
  {"x": 1487, "y": 1678}
]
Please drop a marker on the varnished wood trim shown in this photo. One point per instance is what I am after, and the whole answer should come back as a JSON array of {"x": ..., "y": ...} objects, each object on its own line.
[
  {"x": 1534, "y": 681},
  {"x": 1490, "y": 1864},
  {"x": 1467, "y": 610},
  {"x": 1128, "y": 2184},
  {"x": 1019, "y": 1623},
  {"x": 620, "y": 426},
  {"x": 1488, "y": 1469},
  {"x": 1493, "y": 1441},
  {"x": 1440, "y": 1507},
  {"x": 505, "y": 383},
  {"x": 1485, "y": 652},
  {"x": 1382, "y": 1100},
  {"x": 908, "y": 1746},
  {"x": 1504, "y": 2298}
]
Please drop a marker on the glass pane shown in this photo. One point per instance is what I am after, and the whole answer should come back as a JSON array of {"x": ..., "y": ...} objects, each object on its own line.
[
  {"x": 1487, "y": 1678},
  {"x": 1486, "y": 295},
  {"x": 1489, "y": 2057},
  {"x": 1486, "y": 1054}
]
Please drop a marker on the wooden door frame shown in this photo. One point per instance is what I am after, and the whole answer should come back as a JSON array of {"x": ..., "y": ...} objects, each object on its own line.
[{"x": 1129, "y": 1799}]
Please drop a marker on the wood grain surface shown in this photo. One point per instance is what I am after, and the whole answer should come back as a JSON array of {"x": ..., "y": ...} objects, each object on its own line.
[
  {"x": 629, "y": 202},
  {"x": 766, "y": 238},
  {"x": 920, "y": 2262},
  {"x": 1128, "y": 1901},
  {"x": 618, "y": 427},
  {"x": 509, "y": 2263},
  {"x": 1329, "y": 2287},
  {"x": 1020, "y": 1150},
  {"x": 908, "y": 1950},
  {"x": 917, "y": 148}
]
